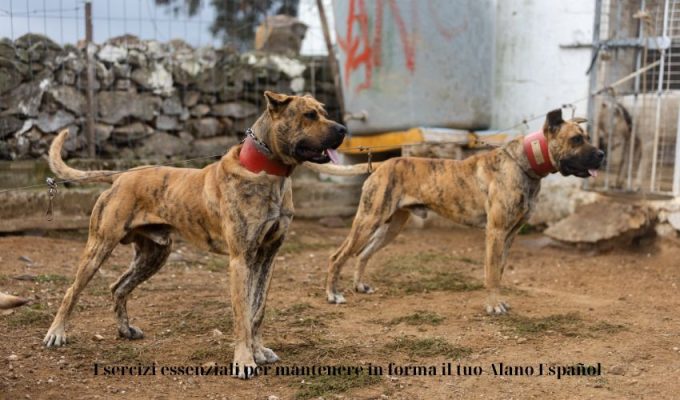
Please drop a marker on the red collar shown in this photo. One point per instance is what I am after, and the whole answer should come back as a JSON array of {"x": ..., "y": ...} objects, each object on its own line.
[
  {"x": 536, "y": 150},
  {"x": 254, "y": 160}
]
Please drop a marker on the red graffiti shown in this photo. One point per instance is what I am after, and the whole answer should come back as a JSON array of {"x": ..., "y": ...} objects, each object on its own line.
[
  {"x": 350, "y": 45},
  {"x": 360, "y": 50}
]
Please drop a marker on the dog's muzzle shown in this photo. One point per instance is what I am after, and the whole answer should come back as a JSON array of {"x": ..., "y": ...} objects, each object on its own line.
[
  {"x": 583, "y": 166},
  {"x": 321, "y": 153}
]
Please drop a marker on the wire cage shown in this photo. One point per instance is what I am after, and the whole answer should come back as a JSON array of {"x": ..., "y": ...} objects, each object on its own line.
[{"x": 635, "y": 82}]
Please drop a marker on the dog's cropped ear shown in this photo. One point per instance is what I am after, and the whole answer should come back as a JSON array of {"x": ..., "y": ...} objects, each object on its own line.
[
  {"x": 578, "y": 120},
  {"x": 277, "y": 102},
  {"x": 554, "y": 119}
]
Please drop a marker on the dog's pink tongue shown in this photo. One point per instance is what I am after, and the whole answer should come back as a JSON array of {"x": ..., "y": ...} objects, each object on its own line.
[
  {"x": 333, "y": 155},
  {"x": 592, "y": 172}
]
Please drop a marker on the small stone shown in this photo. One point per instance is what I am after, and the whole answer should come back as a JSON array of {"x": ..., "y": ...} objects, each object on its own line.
[
  {"x": 200, "y": 110},
  {"x": 102, "y": 132},
  {"x": 172, "y": 106},
  {"x": 272, "y": 397},
  {"x": 210, "y": 364},
  {"x": 521, "y": 340},
  {"x": 235, "y": 109},
  {"x": 205, "y": 127},
  {"x": 191, "y": 98},
  {"x": 98, "y": 337},
  {"x": 617, "y": 370},
  {"x": 25, "y": 259},
  {"x": 12, "y": 357},
  {"x": 112, "y": 54},
  {"x": 68, "y": 97},
  {"x": 166, "y": 122},
  {"x": 216, "y": 332},
  {"x": 25, "y": 277},
  {"x": 161, "y": 144},
  {"x": 53, "y": 122},
  {"x": 132, "y": 132},
  {"x": 676, "y": 348}
]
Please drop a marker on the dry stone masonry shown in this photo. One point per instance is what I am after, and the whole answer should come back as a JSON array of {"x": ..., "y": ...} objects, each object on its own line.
[{"x": 152, "y": 100}]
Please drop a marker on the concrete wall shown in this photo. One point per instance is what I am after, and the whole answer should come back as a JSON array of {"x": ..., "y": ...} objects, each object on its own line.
[{"x": 532, "y": 73}]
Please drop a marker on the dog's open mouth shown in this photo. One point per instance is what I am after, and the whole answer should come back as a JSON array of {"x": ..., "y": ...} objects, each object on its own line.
[
  {"x": 316, "y": 155},
  {"x": 582, "y": 167},
  {"x": 579, "y": 172}
]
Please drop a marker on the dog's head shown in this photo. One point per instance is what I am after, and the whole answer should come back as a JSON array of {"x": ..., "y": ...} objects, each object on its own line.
[
  {"x": 300, "y": 130},
  {"x": 569, "y": 146}
]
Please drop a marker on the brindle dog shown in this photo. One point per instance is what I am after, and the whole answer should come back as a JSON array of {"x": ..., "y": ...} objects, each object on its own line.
[
  {"x": 223, "y": 208},
  {"x": 496, "y": 190}
]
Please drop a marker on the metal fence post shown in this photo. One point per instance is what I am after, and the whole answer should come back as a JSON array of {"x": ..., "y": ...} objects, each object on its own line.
[
  {"x": 593, "y": 72},
  {"x": 657, "y": 126},
  {"x": 676, "y": 166},
  {"x": 89, "y": 50}
]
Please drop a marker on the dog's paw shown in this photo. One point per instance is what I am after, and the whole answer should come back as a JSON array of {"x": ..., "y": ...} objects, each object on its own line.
[
  {"x": 55, "y": 337},
  {"x": 499, "y": 308},
  {"x": 265, "y": 355},
  {"x": 336, "y": 298},
  {"x": 363, "y": 288},
  {"x": 247, "y": 370},
  {"x": 131, "y": 332}
]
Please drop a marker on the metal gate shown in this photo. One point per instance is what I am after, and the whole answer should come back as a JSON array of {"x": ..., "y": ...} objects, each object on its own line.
[{"x": 635, "y": 82}]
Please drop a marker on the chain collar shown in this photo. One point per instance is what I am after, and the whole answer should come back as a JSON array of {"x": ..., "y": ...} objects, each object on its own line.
[{"x": 261, "y": 146}]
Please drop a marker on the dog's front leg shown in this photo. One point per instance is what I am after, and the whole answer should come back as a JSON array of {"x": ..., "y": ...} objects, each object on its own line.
[
  {"x": 240, "y": 281},
  {"x": 493, "y": 269},
  {"x": 264, "y": 270}
]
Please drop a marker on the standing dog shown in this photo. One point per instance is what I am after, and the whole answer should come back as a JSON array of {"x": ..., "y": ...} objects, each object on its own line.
[
  {"x": 241, "y": 206},
  {"x": 614, "y": 123},
  {"x": 496, "y": 190}
]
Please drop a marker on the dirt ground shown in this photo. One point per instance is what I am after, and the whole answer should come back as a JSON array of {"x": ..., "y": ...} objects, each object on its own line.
[{"x": 618, "y": 309}]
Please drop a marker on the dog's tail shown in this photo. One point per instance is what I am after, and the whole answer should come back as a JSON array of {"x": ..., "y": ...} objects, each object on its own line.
[
  {"x": 343, "y": 170},
  {"x": 8, "y": 301},
  {"x": 59, "y": 167}
]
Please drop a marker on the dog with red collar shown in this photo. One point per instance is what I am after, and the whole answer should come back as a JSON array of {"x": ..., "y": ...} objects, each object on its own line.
[
  {"x": 495, "y": 190},
  {"x": 240, "y": 205}
]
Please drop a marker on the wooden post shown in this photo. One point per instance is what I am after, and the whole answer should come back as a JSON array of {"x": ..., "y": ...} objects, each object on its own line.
[
  {"x": 333, "y": 62},
  {"x": 89, "y": 51}
]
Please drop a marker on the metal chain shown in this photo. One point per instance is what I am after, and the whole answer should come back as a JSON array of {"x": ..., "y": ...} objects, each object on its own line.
[
  {"x": 51, "y": 193},
  {"x": 262, "y": 146}
]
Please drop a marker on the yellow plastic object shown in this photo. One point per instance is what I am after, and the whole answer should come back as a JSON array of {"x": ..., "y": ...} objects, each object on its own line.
[{"x": 381, "y": 142}]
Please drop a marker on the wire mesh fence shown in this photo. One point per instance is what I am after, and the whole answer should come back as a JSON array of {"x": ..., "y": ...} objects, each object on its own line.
[
  {"x": 637, "y": 120},
  {"x": 168, "y": 81}
]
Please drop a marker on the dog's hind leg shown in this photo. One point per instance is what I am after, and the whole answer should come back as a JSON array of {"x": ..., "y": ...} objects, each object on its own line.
[
  {"x": 96, "y": 252},
  {"x": 149, "y": 257},
  {"x": 107, "y": 228},
  {"x": 363, "y": 228},
  {"x": 380, "y": 238},
  {"x": 378, "y": 203}
]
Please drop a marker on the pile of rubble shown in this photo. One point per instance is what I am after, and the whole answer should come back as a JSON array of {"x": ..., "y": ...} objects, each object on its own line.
[{"x": 152, "y": 99}]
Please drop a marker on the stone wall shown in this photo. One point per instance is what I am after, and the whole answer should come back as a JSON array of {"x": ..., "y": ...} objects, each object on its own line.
[{"x": 152, "y": 100}]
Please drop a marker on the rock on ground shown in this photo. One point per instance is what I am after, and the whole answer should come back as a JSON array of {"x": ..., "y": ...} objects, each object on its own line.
[{"x": 604, "y": 221}]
